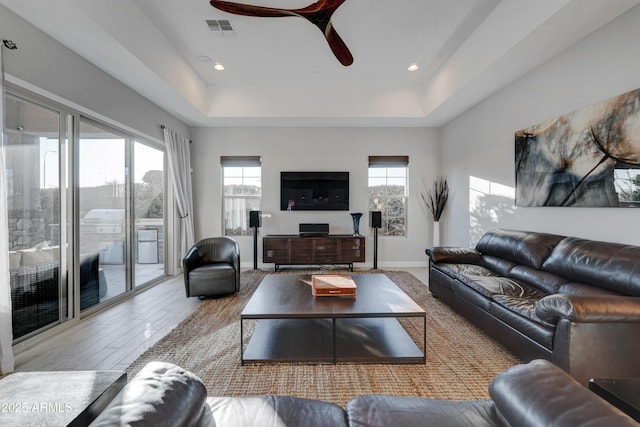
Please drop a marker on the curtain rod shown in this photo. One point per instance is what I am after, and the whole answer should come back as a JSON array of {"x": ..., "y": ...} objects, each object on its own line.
[{"x": 163, "y": 127}]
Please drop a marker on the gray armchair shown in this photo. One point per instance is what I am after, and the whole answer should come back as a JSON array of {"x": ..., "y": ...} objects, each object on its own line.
[{"x": 212, "y": 268}]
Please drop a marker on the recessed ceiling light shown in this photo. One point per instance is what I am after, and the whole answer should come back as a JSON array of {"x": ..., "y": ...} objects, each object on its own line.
[
  {"x": 218, "y": 66},
  {"x": 413, "y": 67},
  {"x": 203, "y": 59}
]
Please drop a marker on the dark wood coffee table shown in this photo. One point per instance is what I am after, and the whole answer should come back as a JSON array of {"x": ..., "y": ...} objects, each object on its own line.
[
  {"x": 293, "y": 326},
  {"x": 623, "y": 393}
]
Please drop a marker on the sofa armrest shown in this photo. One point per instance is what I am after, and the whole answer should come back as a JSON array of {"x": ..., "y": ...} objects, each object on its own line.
[
  {"x": 589, "y": 308},
  {"x": 161, "y": 394},
  {"x": 440, "y": 254},
  {"x": 192, "y": 259},
  {"x": 539, "y": 393}
]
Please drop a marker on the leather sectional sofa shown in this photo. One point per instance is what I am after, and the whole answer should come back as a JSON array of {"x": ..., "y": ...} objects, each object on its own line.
[
  {"x": 533, "y": 394},
  {"x": 572, "y": 301}
]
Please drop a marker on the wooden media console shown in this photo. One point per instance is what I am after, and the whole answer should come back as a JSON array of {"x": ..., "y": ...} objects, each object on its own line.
[{"x": 295, "y": 250}]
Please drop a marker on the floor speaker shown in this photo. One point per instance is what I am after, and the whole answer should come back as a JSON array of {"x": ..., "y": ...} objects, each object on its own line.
[
  {"x": 255, "y": 219},
  {"x": 375, "y": 222},
  {"x": 375, "y": 219}
]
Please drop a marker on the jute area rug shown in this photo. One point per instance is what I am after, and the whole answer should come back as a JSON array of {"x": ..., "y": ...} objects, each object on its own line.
[{"x": 461, "y": 360}]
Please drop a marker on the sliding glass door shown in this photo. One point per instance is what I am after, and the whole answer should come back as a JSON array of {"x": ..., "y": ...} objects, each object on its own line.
[
  {"x": 86, "y": 204},
  {"x": 149, "y": 213},
  {"x": 102, "y": 211},
  {"x": 33, "y": 154}
]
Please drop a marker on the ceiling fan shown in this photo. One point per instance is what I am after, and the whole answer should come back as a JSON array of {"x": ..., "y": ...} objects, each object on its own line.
[{"x": 318, "y": 13}]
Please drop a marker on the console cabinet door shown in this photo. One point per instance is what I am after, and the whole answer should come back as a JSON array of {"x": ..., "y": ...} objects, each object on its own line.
[
  {"x": 352, "y": 249},
  {"x": 326, "y": 250},
  {"x": 276, "y": 250},
  {"x": 302, "y": 250}
]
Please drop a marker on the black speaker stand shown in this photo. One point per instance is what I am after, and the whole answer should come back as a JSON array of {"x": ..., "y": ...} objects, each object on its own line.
[
  {"x": 255, "y": 248},
  {"x": 375, "y": 248}
]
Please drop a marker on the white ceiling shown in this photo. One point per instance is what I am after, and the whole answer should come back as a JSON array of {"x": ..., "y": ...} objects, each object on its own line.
[{"x": 280, "y": 71}]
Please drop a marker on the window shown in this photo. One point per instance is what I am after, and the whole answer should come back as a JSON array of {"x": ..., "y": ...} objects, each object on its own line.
[
  {"x": 388, "y": 176},
  {"x": 627, "y": 184},
  {"x": 242, "y": 191}
]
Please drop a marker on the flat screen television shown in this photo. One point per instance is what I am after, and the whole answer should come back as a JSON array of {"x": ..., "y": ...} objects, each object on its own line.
[{"x": 314, "y": 191}]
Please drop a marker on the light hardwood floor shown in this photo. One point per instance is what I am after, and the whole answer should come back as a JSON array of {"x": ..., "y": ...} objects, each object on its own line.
[{"x": 115, "y": 337}]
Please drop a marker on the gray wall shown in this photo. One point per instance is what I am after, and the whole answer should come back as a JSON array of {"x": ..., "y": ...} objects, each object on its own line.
[
  {"x": 316, "y": 149},
  {"x": 47, "y": 67},
  {"x": 479, "y": 145}
]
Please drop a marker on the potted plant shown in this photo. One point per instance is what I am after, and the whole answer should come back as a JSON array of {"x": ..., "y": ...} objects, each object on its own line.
[{"x": 435, "y": 200}]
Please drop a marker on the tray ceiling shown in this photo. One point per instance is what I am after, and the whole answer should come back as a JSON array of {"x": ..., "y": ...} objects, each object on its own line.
[{"x": 281, "y": 70}]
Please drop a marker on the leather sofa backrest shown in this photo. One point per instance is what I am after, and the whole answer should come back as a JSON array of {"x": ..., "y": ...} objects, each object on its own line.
[
  {"x": 218, "y": 249},
  {"x": 520, "y": 247},
  {"x": 613, "y": 266},
  {"x": 543, "y": 280}
]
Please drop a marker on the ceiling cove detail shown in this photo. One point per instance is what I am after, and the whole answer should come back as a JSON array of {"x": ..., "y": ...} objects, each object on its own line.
[{"x": 318, "y": 13}]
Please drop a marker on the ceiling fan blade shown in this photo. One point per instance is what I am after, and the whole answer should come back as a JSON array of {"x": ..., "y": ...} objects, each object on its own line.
[
  {"x": 338, "y": 46},
  {"x": 249, "y": 10},
  {"x": 328, "y": 6},
  {"x": 318, "y": 13}
]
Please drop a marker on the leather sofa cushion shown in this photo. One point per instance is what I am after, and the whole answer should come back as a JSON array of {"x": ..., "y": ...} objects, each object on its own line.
[
  {"x": 608, "y": 265},
  {"x": 525, "y": 307},
  {"x": 161, "y": 394},
  {"x": 474, "y": 297},
  {"x": 541, "y": 394},
  {"x": 497, "y": 285},
  {"x": 520, "y": 247},
  {"x": 481, "y": 289},
  {"x": 536, "y": 331},
  {"x": 212, "y": 273},
  {"x": 272, "y": 411},
  {"x": 461, "y": 271},
  {"x": 523, "y": 319},
  {"x": 396, "y": 411}
]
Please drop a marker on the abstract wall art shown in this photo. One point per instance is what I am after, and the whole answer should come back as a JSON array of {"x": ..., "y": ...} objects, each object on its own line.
[{"x": 587, "y": 158}]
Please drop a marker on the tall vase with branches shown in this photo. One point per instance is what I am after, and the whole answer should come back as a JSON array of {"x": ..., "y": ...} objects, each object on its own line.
[{"x": 435, "y": 199}]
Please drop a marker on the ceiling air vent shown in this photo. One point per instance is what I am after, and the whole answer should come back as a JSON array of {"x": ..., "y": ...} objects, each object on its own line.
[{"x": 221, "y": 27}]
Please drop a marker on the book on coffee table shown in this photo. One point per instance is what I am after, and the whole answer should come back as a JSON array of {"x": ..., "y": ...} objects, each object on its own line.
[{"x": 333, "y": 285}]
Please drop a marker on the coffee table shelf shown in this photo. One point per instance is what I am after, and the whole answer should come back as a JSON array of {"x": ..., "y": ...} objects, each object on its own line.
[
  {"x": 310, "y": 340},
  {"x": 292, "y": 326}
]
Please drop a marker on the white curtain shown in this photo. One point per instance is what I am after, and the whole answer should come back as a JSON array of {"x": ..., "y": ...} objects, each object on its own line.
[
  {"x": 179, "y": 160},
  {"x": 6, "y": 330}
]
